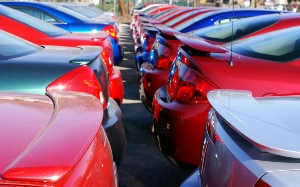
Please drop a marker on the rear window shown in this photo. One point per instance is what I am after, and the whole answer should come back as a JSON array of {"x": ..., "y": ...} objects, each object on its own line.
[
  {"x": 12, "y": 47},
  {"x": 228, "y": 31},
  {"x": 278, "y": 46}
]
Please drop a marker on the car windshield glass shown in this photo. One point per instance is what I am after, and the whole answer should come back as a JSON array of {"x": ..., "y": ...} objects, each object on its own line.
[
  {"x": 279, "y": 46},
  {"x": 82, "y": 10},
  {"x": 12, "y": 46},
  {"x": 42, "y": 26},
  {"x": 226, "y": 32}
]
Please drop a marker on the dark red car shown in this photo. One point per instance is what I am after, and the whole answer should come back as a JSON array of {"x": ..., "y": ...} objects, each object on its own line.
[
  {"x": 42, "y": 33},
  {"x": 156, "y": 74},
  {"x": 267, "y": 65},
  {"x": 46, "y": 140}
]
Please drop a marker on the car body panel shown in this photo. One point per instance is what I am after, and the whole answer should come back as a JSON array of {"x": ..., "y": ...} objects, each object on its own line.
[
  {"x": 46, "y": 154},
  {"x": 242, "y": 160}
]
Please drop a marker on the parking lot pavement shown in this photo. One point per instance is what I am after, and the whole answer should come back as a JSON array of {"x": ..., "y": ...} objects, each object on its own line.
[{"x": 143, "y": 164}]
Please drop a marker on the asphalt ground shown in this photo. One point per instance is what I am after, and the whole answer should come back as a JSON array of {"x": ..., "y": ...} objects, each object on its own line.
[{"x": 143, "y": 164}]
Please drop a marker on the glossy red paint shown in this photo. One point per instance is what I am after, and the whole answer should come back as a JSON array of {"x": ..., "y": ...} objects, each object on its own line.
[
  {"x": 51, "y": 153},
  {"x": 175, "y": 123},
  {"x": 159, "y": 75},
  {"x": 71, "y": 40}
]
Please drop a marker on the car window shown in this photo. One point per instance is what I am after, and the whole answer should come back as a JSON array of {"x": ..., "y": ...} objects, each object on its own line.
[
  {"x": 279, "y": 46},
  {"x": 51, "y": 19},
  {"x": 38, "y": 14},
  {"x": 12, "y": 47},
  {"x": 226, "y": 32},
  {"x": 34, "y": 13},
  {"x": 33, "y": 22}
]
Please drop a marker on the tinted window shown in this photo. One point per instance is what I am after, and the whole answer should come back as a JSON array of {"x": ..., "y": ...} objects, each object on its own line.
[
  {"x": 12, "y": 47},
  {"x": 226, "y": 32},
  {"x": 35, "y": 13},
  {"x": 42, "y": 26},
  {"x": 279, "y": 46}
]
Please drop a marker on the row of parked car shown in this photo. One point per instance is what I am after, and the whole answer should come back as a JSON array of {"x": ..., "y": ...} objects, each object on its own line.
[
  {"x": 60, "y": 95},
  {"x": 222, "y": 86}
]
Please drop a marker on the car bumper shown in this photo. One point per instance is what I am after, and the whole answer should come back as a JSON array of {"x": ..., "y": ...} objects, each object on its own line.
[
  {"x": 193, "y": 180},
  {"x": 179, "y": 129},
  {"x": 151, "y": 80},
  {"x": 116, "y": 86},
  {"x": 114, "y": 129}
]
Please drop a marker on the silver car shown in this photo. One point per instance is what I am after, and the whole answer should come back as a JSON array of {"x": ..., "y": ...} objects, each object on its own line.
[{"x": 249, "y": 142}]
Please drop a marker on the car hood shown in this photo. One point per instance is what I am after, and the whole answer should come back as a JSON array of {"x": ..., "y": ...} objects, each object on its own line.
[{"x": 38, "y": 134}]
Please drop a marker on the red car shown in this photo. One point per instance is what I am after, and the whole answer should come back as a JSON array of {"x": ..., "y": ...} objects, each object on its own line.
[
  {"x": 42, "y": 33},
  {"x": 267, "y": 65},
  {"x": 138, "y": 19},
  {"x": 50, "y": 153},
  {"x": 155, "y": 76}
]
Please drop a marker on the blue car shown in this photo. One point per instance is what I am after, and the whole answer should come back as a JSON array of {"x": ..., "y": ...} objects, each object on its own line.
[
  {"x": 221, "y": 16},
  {"x": 143, "y": 51},
  {"x": 70, "y": 21}
]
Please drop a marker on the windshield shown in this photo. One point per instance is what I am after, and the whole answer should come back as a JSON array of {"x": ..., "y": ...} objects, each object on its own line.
[
  {"x": 231, "y": 31},
  {"x": 40, "y": 25},
  {"x": 279, "y": 46},
  {"x": 12, "y": 46}
]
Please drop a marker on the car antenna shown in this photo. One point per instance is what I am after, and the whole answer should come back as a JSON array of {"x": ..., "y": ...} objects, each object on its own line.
[{"x": 230, "y": 63}]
